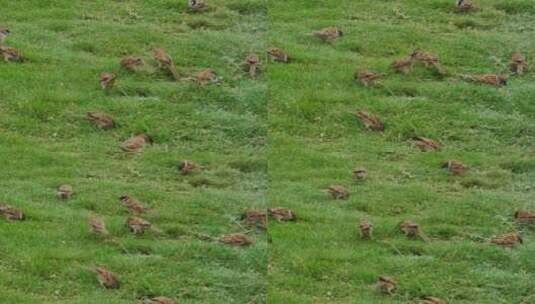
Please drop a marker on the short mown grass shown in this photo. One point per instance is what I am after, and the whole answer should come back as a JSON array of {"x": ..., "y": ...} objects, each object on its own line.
[
  {"x": 316, "y": 141},
  {"x": 46, "y": 141}
]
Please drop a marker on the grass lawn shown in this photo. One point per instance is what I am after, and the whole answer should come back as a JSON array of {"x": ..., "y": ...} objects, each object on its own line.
[
  {"x": 316, "y": 141},
  {"x": 46, "y": 141}
]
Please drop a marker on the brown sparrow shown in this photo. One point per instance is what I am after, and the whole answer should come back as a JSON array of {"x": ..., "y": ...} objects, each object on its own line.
[
  {"x": 370, "y": 121},
  {"x": 138, "y": 225},
  {"x": 133, "y": 204},
  {"x": 101, "y": 120},
  {"x": 426, "y": 144},
  {"x": 187, "y": 166},
  {"x": 492, "y": 79},
  {"x": 11, "y": 213},
  {"x": 432, "y": 300},
  {"x": 251, "y": 64},
  {"x": 196, "y": 5},
  {"x": 403, "y": 66},
  {"x": 328, "y": 34},
  {"x": 508, "y": 240},
  {"x": 360, "y": 174},
  {"x": 132, "y": 63},
  {"x": 97, "y": 226},
  {"x": 278, "y": 55},
  {"x": 386, "y": 285},
  {"x": 525, "y": 216},
  {"x": 429, "y": 60},
  {"x": 10, "y": 54},
  {"x": 107, "y": 278},
  {"x": 518, "y": 63},
  {"x": 465, "y": 5},
  {"x": 236, "y": 239},
  {"x": 455, "y": 167},
  {"x": 4, "y": 32},
  {"x": 410, "y": 229},
  {"x": 256, "y": 218},
  {"x": 107, "y": 80},
  {"x": 65, "y": 192},
  {"x": 205, "y": 77},
  {"x": 366, "y": 230},
  {"x": 136, "y": 143},
  {"x": 164, "y": 60},
  {"x": 338, "y": 192},
  {"x": 159, "y": 300},
  {"x": 366, "y": 77},
  {"x": 281, "y": 214}
]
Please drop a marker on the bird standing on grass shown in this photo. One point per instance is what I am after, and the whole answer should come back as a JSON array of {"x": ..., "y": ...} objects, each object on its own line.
[
  {"x": 107, "y": 80},
  {"x": 164, "y": 60},
  {"x": 10, "y": 54},
  {"x": 465, "y": 5},
  {"x": 328, "y": 34}
]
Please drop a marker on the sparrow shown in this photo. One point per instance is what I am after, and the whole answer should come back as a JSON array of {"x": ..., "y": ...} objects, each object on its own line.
[
  {"x": 164, "y": 60},
  {"x": 196, "y": 5},
  {"x": 367, "y": 78},
  {"x": 107, "y": 80},
  {"x": 508, "y": 240},
  {"x": 328, "y": 34},
  {"x": 370, "y": 121},
  {"x": 464, "y": 5},
  {"x": 360, "y": 174},
  {"x": 101, "y": 120},
  {"x": 65, "y": 192},
  {"x": 410, "y": 229},
  {"x": 282, "y": 214},
  {"x": 338, "y": 192},
  {"x": 256, "y": 218},
  {"x": 11, "y": 213},
  {"x": 386, "y": 285},
  {"x": 97, "y": 226},
  {"x": 432, "y": 300},
  {"x": 205, "y": 77},
  {"x": 403, "y": 66},
  {"x": 10, "y": 54},
  {"x": 518, "y": 63},
  {"x": 236, "y": 239},
  {"x": 133, "y": 204},
  {"x": 107, "y": 278},
  {"x": 251, "y": 64},
  {"x": 187, "y": 166},
  {"x": 429, "y": 60},
  {"x": 426, "y": 58},
  {"x": 426, "y": 144},
  {"x": 138, "y": 225},
  {"x": 278, "y": 55},
  {"x": 132, "y": 63},
  {"x": 159, "y": 300},
  {"x": 4, "y": 32},
  {"x": 136, "y": 143},
  {"x": 455, "y": 167},
  {"x": 525, "y": 216},
  {"x": 492, "y": 79},
  {"x": 366, "y": 230}
]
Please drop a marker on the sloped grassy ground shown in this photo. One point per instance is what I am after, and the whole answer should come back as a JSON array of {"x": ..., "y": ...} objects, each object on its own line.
[
  {"x": 46, "y": 141},
  {"x": 316, "y": 141}
]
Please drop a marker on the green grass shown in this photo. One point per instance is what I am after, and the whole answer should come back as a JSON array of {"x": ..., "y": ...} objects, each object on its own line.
[
  {"x": 316, "y": 141},
  {"x": 45, "y": 141}
]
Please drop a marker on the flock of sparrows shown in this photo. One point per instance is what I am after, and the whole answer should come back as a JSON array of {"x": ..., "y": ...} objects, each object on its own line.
[
  {"x": 259, "y": 218},
  {"x": 136, "y": 144},
  {"x": 410, "y": 229}
]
